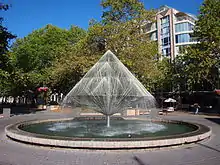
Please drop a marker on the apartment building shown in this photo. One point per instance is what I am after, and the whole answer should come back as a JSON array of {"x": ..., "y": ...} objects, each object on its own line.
[{"x": 172, "y": 30}]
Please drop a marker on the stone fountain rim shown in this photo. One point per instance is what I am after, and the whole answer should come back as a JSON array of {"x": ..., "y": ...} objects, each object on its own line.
[
  {"x": 202, "y": 132},
  {"x": 29, "y": 122}
]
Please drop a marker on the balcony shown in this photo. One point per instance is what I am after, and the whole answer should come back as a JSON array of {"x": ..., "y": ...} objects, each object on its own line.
[{"x": 185, "y": 18}]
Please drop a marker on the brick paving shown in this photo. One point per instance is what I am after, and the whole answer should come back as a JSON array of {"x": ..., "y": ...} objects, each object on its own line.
[{"x": 203, "y": 153}]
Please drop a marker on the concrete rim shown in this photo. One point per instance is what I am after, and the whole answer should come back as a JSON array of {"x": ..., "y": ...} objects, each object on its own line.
[{"x": 13, "y": 132}]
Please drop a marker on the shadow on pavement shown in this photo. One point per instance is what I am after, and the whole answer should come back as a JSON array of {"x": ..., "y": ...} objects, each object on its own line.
[
  {"x": 203, "y": 145},
  {"x": 139, "y": 161},
  {"x": 215, "y": 120}
]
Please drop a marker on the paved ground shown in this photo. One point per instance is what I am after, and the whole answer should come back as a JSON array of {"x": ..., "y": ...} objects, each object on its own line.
[{"x": 203, "y": 153}]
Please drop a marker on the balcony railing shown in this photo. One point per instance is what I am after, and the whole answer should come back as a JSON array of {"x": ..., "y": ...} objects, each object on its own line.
[{"x": 183, "y": 18}]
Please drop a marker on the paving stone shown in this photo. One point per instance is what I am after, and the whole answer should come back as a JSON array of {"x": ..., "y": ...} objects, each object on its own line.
[{"x": 202, "y": 153}]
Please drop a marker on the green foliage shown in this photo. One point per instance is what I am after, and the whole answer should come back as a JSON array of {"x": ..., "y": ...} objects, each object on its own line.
[
  {"x": 5, "y": 37},
  {"x": 202, "y": 61},
  {"x": 207, "y": 29},
  {"x": 5, "y": 63},
  {"x": 120, "y": 32},
  {"x": 69, "y": 71},
  {"x": 122, "y": 36},
  {"x": 199, "y": 69},
  {"x": 121, "y": 11},
  {"x": 4, "y": 6},
  {"x": 4, "y": 83},
  {"x": 59, "y": 58},
  {"x": 39, "y": 49},
  {"x": 34, "y": 56},
  {"x": 164, "y": 81}
]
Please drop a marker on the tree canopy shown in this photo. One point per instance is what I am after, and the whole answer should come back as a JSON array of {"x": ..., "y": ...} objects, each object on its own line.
[
  {"x": 121, "y": 32},
  {"x": 121, "y": 11},
  {"x": 5, "y": 63},
  {"x": 58, "y": 58},
  {"x": 34, "y": 56},
  {"x": 122, "y": 36},
  {"x": 42, "y": 47},
  {"x": 207, "y": 29},
  {"x": 202, "y": 60}
]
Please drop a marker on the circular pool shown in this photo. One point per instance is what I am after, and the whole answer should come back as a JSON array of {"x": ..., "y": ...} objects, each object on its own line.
[{"x": 123, "y": 133}]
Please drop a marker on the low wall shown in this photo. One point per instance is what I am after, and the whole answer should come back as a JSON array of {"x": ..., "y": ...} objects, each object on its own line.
[{"x": 15, "y": 133}]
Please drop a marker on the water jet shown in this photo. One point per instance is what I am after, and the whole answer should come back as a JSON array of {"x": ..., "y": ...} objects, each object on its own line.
[{"x": 109, "y": 88}]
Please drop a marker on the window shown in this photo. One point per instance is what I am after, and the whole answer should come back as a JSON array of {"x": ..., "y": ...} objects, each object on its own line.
[
  {"x": 165, "y": 30},
  {"x": 153, "y": 26},
  {"x": 180, "y": 49},
  {"x": 166, "y": 41},
  {"x": 165, "y": 21},
  {"x": 166, "y": 52},
  {"x": 153, "y": 36},
  {"x": 183, "y": 27},
  {"x": 182, "y": 38},
  {"x": 148, "y": 27}
]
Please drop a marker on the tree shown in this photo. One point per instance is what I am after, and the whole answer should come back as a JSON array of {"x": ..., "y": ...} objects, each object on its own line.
[
  {"x": 39, "y": 49},
  {"x": 121, "y": 11},
  {"x": 5, "y": 67},
  {"x": 120, "y": 31},
  {"x": 207, "y": 29},
  {"x": 59, "y": 58},
  {"x": 5, "y": 37},
  {"x": 4, "y": 83},
  {"x": 4, "y": 6},
  {"x": 202, "y": 61},
  {"x": 66, "y": 72},
  {"x": 34, "y": 55}
]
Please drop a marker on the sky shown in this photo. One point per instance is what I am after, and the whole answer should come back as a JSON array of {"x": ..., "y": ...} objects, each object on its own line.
[{"x": 24, "y": 16}]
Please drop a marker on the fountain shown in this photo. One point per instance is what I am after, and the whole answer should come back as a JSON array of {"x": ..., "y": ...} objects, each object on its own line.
[{"x": 109, "y": 88}]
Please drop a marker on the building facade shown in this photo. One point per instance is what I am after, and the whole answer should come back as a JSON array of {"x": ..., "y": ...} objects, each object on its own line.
[{"x": 172, "y": 30}]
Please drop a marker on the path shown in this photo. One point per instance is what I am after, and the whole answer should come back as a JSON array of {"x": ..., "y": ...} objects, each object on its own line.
[{"x": 203, "y": 153}]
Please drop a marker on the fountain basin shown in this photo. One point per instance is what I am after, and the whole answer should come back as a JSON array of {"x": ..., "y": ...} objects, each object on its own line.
[{"x": 128, "y": 139}]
